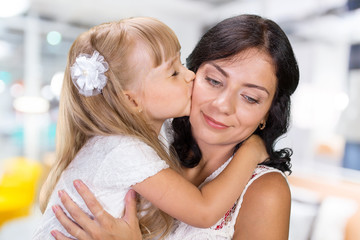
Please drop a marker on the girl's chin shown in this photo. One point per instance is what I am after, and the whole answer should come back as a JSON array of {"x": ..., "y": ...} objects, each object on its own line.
[{"x": 187, "y": 111}]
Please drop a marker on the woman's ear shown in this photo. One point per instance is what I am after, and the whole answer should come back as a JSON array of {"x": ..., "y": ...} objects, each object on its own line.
[
  {"x": 133, "y": 101},
  {"x": 262, "y": 123},
  {"x": 266, "y": 116}
]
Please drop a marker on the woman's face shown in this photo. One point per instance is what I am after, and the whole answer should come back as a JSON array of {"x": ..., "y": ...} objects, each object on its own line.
[{"x": 231, "y": 97}]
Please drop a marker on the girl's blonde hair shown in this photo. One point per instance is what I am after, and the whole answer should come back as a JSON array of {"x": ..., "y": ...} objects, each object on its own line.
[{"x": 81, "y": 118}]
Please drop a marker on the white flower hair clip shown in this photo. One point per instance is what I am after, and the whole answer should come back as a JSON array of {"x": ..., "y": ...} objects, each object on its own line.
[{"x": 88, "y": 73}]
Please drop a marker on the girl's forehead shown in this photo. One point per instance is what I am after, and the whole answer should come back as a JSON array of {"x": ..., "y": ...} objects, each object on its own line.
[
  {"x": 163, "y": 56},
  {"x": 171, "y": 59}
]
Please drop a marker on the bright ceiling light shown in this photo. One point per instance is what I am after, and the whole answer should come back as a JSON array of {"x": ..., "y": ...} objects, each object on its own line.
[
  {"x": 13, "y": 7},
  {"x": 53, "y": 38},
  {"x": 29, "y": 104}
]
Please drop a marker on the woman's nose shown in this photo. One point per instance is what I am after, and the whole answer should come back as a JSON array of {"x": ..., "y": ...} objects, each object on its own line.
[{"x": 225, "y": 103}]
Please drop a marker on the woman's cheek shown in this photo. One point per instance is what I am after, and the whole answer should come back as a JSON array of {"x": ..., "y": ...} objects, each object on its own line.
[{"x": 197, "y": 94}]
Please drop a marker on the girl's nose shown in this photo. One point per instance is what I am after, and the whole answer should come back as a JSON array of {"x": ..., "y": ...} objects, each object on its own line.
[{"x": 190, "y": 76}]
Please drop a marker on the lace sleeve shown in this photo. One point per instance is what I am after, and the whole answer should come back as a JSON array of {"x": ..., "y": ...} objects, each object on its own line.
[{"x": 128, "y": 164}]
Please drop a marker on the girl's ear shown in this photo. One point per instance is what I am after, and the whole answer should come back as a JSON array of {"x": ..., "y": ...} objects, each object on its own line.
[{"x": 132, "y": 98}]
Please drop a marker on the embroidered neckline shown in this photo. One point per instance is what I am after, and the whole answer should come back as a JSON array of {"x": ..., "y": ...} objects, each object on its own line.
[
  {"x": 228, "y": 215},
  {"x": 227, "y": 218}
]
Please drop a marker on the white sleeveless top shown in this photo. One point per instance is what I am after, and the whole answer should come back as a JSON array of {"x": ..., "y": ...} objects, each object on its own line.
[
  {"x": 225, "y": 227},
  {"x": 109, "y": 166}
]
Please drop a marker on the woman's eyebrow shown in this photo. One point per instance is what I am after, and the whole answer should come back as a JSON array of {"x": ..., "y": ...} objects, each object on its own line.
[
  {"x": 222, "y": 71},
  {"x": 250, "y": 85}
]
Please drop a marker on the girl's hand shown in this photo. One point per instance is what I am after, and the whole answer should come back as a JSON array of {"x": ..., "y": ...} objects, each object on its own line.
[
  {"x": 103, "y": 226},
  {"x": 255, "y": 145}
]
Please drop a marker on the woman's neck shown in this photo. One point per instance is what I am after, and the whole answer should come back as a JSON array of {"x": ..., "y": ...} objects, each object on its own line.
[{"x": 213, "y": 157}]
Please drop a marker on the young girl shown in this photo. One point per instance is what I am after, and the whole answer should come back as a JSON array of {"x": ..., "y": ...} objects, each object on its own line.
[{"x": 122, "y": 81}]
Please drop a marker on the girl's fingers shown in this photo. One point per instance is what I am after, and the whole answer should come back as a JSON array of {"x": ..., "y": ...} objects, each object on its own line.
[
  {"x": 72, "y": 228},
  {"x": 94, "y": 206},
  {"x": 81, "y": 218}
]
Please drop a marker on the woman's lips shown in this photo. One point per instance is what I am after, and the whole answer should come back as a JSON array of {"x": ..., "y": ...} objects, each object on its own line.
[{"x": 213, "y": 123}]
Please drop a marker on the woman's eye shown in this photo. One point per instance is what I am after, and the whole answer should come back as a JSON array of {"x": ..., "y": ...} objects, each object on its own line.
[
  {"x": 213, "y": 82},
  {"x": 250, "y": 99},
  {"x": 175, "y": 74}
]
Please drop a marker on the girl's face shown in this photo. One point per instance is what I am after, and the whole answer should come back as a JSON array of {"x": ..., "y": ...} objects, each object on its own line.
[
  {"x": 231, "y": 98},
  {"x": 167, "y": 91}
]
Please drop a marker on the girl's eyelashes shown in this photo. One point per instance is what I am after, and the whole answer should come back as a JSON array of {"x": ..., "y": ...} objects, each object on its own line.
[
  {"x": 213, "y": 82},
  {"x": 175, "y": 74}
]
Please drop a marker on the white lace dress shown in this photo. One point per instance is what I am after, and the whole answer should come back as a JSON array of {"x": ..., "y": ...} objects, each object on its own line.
[
  {"x": 224, "y": 228},
  {"x": 109, "y": 166}
]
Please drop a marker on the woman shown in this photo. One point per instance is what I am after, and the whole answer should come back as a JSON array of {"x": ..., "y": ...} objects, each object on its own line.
[{"x": 245, "y": 72}]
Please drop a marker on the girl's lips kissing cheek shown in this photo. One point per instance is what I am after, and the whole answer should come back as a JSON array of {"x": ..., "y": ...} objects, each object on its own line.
[{"x": 213, "y": 123}]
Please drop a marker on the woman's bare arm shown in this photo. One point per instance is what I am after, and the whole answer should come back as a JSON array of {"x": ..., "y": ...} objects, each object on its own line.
[
  {"x": 265, "y": 211},
  {"x": 103, "y": 226}
]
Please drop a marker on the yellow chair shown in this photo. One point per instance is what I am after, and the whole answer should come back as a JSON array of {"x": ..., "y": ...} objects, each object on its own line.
[{"x": 18, "y": 187}]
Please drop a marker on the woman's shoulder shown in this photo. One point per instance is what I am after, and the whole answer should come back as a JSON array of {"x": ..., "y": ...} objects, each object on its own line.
[
  {"x": 269, "y": 183},
  {"x": 268, "y": 197},
  {"x": 261, "y": 170}
]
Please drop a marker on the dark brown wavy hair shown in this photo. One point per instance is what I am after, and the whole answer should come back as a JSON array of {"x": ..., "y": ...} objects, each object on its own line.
[{"x": 225, "y": 40}]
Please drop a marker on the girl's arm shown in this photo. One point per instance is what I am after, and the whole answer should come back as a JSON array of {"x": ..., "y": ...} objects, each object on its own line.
[
  {"x": 173, "y": 194},
  {"x": 105, "y": 226},
  {"x": 265, "y": 211}
]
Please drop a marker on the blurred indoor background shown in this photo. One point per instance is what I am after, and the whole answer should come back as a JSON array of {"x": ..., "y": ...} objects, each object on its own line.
[{"x": 35, "y": 36}]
